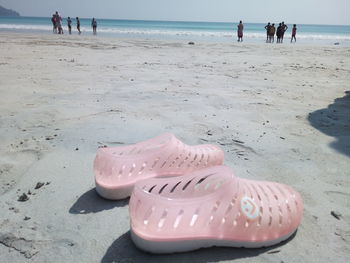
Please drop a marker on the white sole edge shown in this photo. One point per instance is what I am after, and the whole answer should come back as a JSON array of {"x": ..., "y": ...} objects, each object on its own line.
[
  {"x": 114, "y": 194},
  {"x": 164, "y": 247},
  {"x": 125, "y": 191}
]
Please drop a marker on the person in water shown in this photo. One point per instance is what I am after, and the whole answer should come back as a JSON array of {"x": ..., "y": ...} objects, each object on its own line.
[
  {"x": 78, "y": 25},
  {"x": 294, "y": 33},
  {"x": 267, "y": 27},
  {"x": 69, "y": 22},
  {"x": 94, "y": 25},
  {"x": 240, "y": 28}
]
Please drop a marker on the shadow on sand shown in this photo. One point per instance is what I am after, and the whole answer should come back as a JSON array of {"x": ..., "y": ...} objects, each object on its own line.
[
  {"x": 335, "y": 121},
  {"x": 91, "y": 202},
  {"x": 124, "y": 250}
]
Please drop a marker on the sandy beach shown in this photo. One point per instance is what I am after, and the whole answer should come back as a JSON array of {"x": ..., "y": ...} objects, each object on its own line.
[{"x": 280, "y": 113}]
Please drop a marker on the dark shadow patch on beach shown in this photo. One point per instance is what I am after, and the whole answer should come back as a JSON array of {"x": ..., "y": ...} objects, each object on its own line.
[
  {"x": 335, "y": 121},
  {"x": 91, "y": 202},
  {"x": 124, "y": 250}
]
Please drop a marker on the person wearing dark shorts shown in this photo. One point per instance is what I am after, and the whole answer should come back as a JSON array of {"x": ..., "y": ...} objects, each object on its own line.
[
  {"x": 294, "y": 33},
  {"x": 78, "y": 25},
  {"x": 94, "y": 25},
  {"x": 69, "y": 22},
  {"x": 267, "y": 27},
  {"x": 279, "y": 33},
  {"x": 284, "y": 29}
]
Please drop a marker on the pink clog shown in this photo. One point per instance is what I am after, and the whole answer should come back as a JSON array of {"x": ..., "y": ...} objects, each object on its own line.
[
  {"x": 211, "y": 207},
  {"x": 117, "y": 169}
]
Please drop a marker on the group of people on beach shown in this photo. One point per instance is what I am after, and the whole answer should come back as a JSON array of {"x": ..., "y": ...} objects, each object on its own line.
[
  {"x": 271, "y": 32},
  {"x": 281, "y": 29},
  {"x": 69, "y": 23},
  {"x": 57, "y": 24}
]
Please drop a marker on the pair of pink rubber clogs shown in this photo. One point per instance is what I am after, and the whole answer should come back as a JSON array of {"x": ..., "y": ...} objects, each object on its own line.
[{"x": 197, "y": 201}]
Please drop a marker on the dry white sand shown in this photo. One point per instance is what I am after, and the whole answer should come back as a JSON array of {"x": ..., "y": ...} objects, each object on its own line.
[{"x": 280, "y": 112}]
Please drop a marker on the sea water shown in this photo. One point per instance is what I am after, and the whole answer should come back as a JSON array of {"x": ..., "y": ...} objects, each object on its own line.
[{"x": 207, "y": 31}]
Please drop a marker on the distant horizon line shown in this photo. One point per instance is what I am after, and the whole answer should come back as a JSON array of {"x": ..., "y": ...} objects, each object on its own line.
[{"x": 186, "y": 21}]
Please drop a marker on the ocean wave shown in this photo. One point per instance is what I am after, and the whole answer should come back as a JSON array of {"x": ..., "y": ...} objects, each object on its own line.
[
  {"x": 181, "y": 33},
  {"x": 25, "y": 27}
]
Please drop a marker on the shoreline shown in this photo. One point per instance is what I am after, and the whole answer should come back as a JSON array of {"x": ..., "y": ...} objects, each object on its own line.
[{"x": 126, "y": 37}]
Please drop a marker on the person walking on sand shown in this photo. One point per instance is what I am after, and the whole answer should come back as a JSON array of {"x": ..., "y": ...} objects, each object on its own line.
[
  {"x": 267, "y": 27},
  {"x": 272, "y": 33},
  {"x": 294, "y": 33},
  {"x": 240, "y": 28},
  {"x": 69, "y": 22},
  {"x": 94, "y": 25},
  {"x": 284, "y": 29},
  {"x": 78, "y": 25}
]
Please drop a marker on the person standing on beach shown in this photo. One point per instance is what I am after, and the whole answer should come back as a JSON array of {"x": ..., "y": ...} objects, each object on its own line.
[
  {"x": 279, "y": 33},
  {"x": 59, "y": 23},
  {"x": 294, "y": 33},
  {"x": 284, "y": 29},
  {"x": 78, "y": 25},
  {"x": 272, "y": 33},
  {"x": 240, "y": 28},
  {"x": 69, "y": 22},
  {"x": 267, "y": 27},
  {"x": 53, "y": 20},
  {"x": 94, "y": 25}
]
